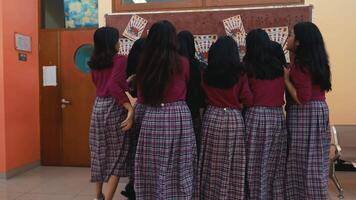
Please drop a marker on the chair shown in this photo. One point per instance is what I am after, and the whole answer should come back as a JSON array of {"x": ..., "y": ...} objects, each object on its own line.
[{"x": 335, "y": 155}]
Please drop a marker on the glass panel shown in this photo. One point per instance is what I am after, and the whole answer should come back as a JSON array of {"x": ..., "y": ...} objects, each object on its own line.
[
  {"x": 146, "y": 1},
  {"x": 82, "y": 56}
]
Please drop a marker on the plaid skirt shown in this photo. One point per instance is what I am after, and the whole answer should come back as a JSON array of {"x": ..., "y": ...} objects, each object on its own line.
[
  {"x": 222, "y": 157},
  {"x": 134, "y": 134},
  {"x": 266, "y": 153},
  {"x": 197, "y": 131},
  {"x": 166, "y": 155},
  {"x": 308, "y": 156},
  {"x": 109, "y": 145}
]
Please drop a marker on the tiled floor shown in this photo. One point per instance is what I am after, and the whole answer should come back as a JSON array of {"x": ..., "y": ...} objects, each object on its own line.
[
  {"x": 52, "y": 183},
  {"x": 63, "y": 183}
]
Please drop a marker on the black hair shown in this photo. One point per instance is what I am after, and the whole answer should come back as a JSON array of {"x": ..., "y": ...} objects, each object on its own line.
[
  {"x": 259, "y": 59},
  {"x": 134, "y": 57},
  {"x": 278, "y": 52},
  {"x": 195, "y": 95},
  {"x": 105, "y": 40},
  {"x": 311, "y": 54},
  {"x": 159, "y": 63},
  {"x": 224, "y": 66}
]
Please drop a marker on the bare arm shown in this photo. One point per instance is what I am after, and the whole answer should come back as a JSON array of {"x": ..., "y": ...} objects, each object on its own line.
[
  {"x": 290, "y": 87},
  {"x": 127, "y": 123}
]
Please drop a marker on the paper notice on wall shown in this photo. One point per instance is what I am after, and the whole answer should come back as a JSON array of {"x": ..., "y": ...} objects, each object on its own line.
[{"x": 49, "y": 76}]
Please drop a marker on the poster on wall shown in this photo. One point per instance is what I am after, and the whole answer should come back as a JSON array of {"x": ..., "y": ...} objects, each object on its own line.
[
  {"x": 125, "y": 46},
  {"x": 23, "y": 42},
  {"x": 280, "y": 35},
  {"x": 234, "y": 27},
  {"x": 202, "y": 46},
  {"x": 81, "y": 13},
  {"x": 135, "y": 27}
]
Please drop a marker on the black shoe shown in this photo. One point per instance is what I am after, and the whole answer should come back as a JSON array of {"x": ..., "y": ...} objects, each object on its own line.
[
  {"x": 129, "y": 192},
  {"x": 102, "y": 197}
]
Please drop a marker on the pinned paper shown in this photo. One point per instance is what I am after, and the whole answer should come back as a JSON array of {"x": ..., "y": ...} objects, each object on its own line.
[
  {"x": 234, "y": 27},
  {"x": 125, "y": 46},
  {"x": 203, "y": 44},
  {"x": 135, "y": 28},
  {"x": 49, "y": 76}
]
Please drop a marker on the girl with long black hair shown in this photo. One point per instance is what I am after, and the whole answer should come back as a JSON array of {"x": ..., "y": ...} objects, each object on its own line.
[
  {"x": 222, "y": 158},
  {"x": 307, "y": 81},
  {"x": 166, "y": 152},
  {"x": 112, "y": 114},
  {"x": 266, "y": 132}
]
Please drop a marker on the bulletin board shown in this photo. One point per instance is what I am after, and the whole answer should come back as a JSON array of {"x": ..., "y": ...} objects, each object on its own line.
[{"x": 210, "y": 22}]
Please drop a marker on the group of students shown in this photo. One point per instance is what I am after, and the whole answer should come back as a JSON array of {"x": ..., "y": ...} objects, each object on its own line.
[{"x": 211, "y": 131}]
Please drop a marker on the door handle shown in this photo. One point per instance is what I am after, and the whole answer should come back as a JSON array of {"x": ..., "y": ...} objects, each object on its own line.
[{"x": 64, "y": 101}]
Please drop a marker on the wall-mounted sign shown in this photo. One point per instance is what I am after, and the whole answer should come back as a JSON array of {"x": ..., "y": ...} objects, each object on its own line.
[
  {"x": 23, "y": 42},
  {"x": 22, "y": 57}
]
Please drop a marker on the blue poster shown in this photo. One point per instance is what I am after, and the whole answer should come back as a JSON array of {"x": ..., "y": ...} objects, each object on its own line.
[{"x": 81, "y": 13}]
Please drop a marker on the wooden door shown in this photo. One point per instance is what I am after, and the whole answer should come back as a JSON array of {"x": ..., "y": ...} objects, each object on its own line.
[
  {"x": 50, "y": 107},
  {"x": 76, "y": 89},
  {"x": 65, "y": 127}
]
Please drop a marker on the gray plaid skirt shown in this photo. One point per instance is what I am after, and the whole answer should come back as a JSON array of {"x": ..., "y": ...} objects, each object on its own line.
[
  {"x": 222, "y": 158},
  {"x": 266, "y": 153},
  {"x": 308, "y": 154},
  {"x": 165, "y": 161},
  {"x": 109, "y": 145}
]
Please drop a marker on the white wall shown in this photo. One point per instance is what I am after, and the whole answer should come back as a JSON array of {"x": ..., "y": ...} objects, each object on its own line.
[
  {"x": 337, "y": 22},
  {"x": 104, "y": 7}
]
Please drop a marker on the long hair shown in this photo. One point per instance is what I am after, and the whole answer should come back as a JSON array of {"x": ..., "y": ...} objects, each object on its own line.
[
  {"x": 159, "y": 63},
  {"x": 187, "y": 49},
  {"x": 278, "y": 52},
  {"x": 186, "y": 45},
  {"x": 311, "y": 54},
  {"x": 224, "y": 66},
  {"x": 259, "y": 59},
  {"x": 195, "y": 97},
  {"x": 105, "y": 40},
  {"x": 134, "y": 57}
]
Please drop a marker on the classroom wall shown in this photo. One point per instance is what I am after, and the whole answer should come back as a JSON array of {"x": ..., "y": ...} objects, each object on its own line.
[
  {"x": 338, "y": 26},
  {"x": 19, "y": 89},
  {"x": 337, "y": 22},
  {"x": 104, "y": 7}
]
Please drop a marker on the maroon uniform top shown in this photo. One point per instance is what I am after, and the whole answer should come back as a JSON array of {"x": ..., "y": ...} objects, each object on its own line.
[
  {"x": 233, "y": 97},
  {"x": 177, "y": 88},
  {"x": 268, "y": 93},
  {"x": 303, "y": 82},
  {"x": 112, "y": 81}
]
